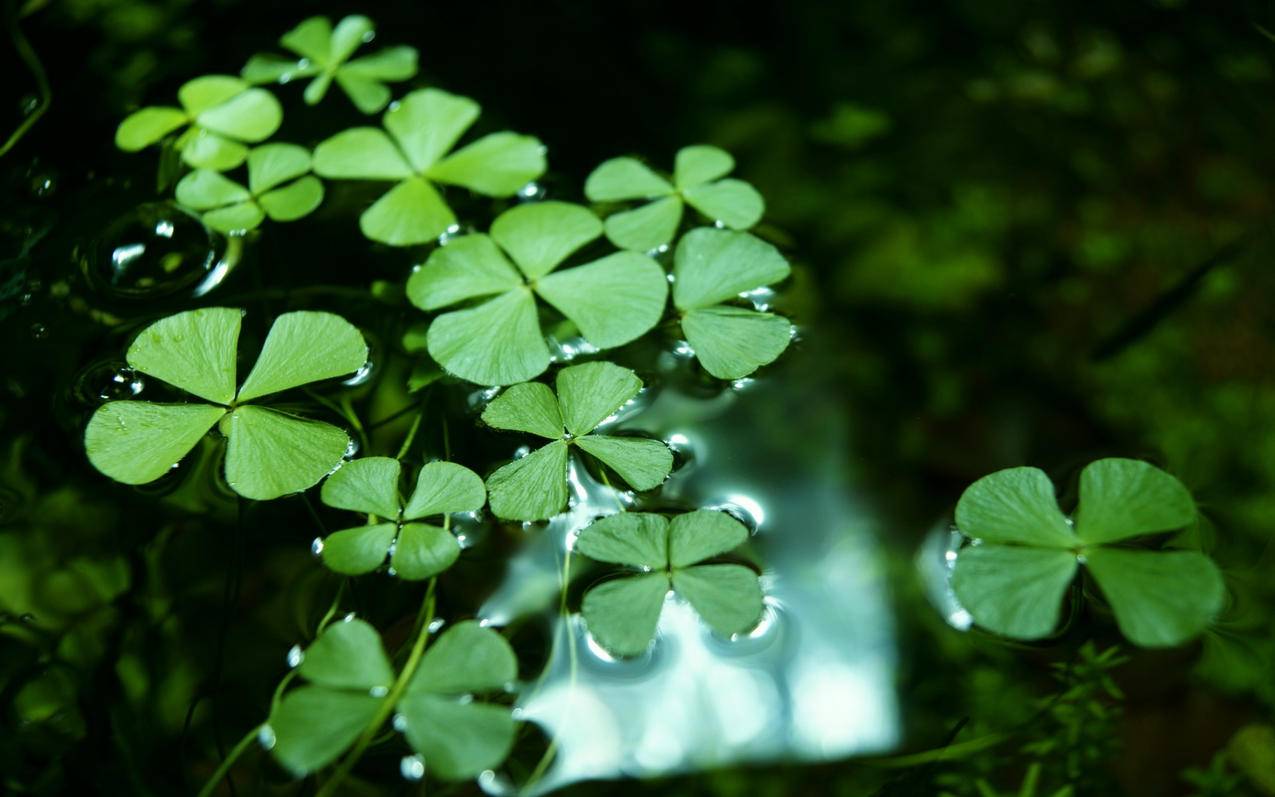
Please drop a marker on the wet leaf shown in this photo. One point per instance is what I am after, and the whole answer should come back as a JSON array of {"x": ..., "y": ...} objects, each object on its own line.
[
  {"x": 348, "y": 655},
  {"x": 1015, "y": 505},
  {"x": 1013, "y": 591},
  {"x": 1160, "y": 599},
  {"x": 1122, "y": 498}
]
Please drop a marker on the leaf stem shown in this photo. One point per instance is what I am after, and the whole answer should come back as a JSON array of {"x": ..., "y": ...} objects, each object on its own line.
[
  {"x": 411, "y": 436},
  {"x": 229, "y": 761},
  {"x": 27, "y": 53}
]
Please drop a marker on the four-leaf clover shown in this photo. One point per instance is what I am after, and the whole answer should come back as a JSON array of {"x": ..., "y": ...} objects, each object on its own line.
[
  {"x": 422, "y": 127},
  {"x": 1026, "y": 553},
  {"x": 324, "y": 55},
  {"x": 222, "y": 113},
  {"x": 269, "y": 453},
  {"x": 419, "y": 550},
  {"x": 612, "y": 301},
  {"x": 351, "y": 680},
  {"x": 697, "y": 174},
  {"x": 623, "y": 613},
  {"x": 711, "y": 267},
  {"x": 535, "y": 486},
  {"x": 227, "y": 206}
]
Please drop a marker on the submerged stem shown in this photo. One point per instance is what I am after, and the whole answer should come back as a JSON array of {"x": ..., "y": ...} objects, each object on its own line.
[{"x": 229, "y": 761}]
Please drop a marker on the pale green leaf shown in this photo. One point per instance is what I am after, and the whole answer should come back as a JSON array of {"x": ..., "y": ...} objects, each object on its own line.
[
  {"x": 347, "y": 655},
  {"x": 318, "y": 88},
  {"x": 1015, "y": 505},
  {"x": 367, "y": 484},
  {"x": 645, "y": 228},
  {"x": 703, "y": 534},
  {"x": 589, "y": 393},
  {"x": 194, "y": 351},
  {"x": 392, "y": 63},
  {"x": 209, "y": 91},
  {"x": 712, "y": 266},
  {"x": 347, "y": 37},
  {"x": 142, "y": 128},
  {"x": 465, "y": 658},
  {"x": 203, "y": 189},
  {"x": 731, "y": 342},
  {"x": 1160, "y": 599},
  {"x": 313, "y": 725},
  {"x": 1122, "y": 498},
  {"x": 204, "y": 149},
  {"x": 1011, "y": 590},
  {"x": 540, "y": 235},
  {"x": 358, "y": 550},
  {"x": 311, "y": 39},
  {"x": 271, "y": 165},
  {"x": 734, "y": 203},
  {"x": 526, "y": 407},
  {"x": 136, "y": 442},
  {"x": 270, "y": 454},
  {"x": 459, "y": 740},
  {"x": 422, "y": 551},
  {"x": 533, "y": 487},
  {"x": 622, "y": 614},
  {"x": 697, "y": 164},
  {"x": 253, "y": 115},
  {"x": 466, "y": 267},
  {"x": 613, "y": 300},
  {"x": 496, "y": 343},
  {"x": 443, "y": 488},
  {"x": 369, "y": 96},
  {"x": 235, "y": 218},
  {"x": 410, "y": 213},
  {"x": 728, "y": 597},
  {"x": 426, "y": 123},
  {"x": 639, "y": 539},
  {"x": 619, "y": 179},
  {"x": 294, "y": 200},
  {"x": 267, "y": 68},
  {"x": 497, "y": 164},
  {"x": 360, "y": 153},
  {"x": 303, "y": 347},
  {"x": 643, "y": 464}
]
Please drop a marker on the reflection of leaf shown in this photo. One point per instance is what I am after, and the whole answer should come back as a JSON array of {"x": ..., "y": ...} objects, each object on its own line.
[{"x": 278, "y": 188}]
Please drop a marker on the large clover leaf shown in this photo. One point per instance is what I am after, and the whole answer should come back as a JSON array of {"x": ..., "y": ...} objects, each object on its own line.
[
  {"x": 535, "y": 486},
  {"x": 623, "y": 613},
  {"x": 422, "y": 127},
  {"x": 612, "y": 301},
  {"x": 324, "y": 55},
  {"x": 711, "y": 267},
  {"x": 220, "y": 113},
  {"x": 228, "y": 206},
  {"x": 269, "y": 453},
  {"x": 350, "y": 680},
  {"x": 416, "y": 550},
  {"x": 697, "y": 174},
  {"x": 1027, "y": 553}
]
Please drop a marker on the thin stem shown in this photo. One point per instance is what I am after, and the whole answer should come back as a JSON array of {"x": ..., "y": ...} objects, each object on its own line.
[
  {"x": 551, "y": 751},
  {"x": 229, "y": 761},
  {"x": 353, "y": 417},
  {"x": 27, "y": 53},
  {"x": 411, "y": 436}
]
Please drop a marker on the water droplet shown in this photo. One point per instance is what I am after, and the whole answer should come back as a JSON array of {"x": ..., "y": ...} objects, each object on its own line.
[
  {"x": 400, "y": 723},
  {"x": 369, "y": 36},
  {"x": 683, "y": 350},
  {"x": 28, "y": 104},
  {"x": 531, "y": 192},
  {"x": 448, "y": 234},
  {"x": 436, "y": 624},
  {"x": 316, "y": 547},
  {"x": 761, "y": 298},
  {"x": 745, "y": 509},
  {"x": 360, "y": 376},
  {"x": 43, "y": 185},
  {"x": 348, "y": 618},
  {"x": 378, "y": 691},
  {"x": 295, "y": 656},
  {"x": 743, "y": 384},
  {"x": 351, "y": 448},
  {"x": 266, "y": 737},
  {"x": 412, "y": 767},
  {"x": 38, "y": 330},
  {"x": 521, "y": 451}
]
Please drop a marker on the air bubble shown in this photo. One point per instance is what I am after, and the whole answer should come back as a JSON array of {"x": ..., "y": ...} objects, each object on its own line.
[
  {"x": 316, "y": 547},
  {"x": 38, "y": 330},
  {"x": 435, "y": 625},
  {"x": 412, "y": 767},
  {"x": 531, "y": 192},
  {"x": 400, "y": 723},
  {"x": 295, "y": 656},
  {"x": 349, "y": 618},
  {"x": 360, "y": 376},
  {"x": 266, "y": 737},
  {"x": 378, "y": 691}
]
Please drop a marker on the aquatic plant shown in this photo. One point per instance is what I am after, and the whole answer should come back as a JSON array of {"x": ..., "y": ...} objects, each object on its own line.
[{"x": 279, "y": 187}]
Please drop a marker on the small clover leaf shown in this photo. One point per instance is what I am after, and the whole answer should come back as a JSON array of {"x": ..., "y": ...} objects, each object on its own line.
[
  {"x": 229, "y": 207},
  {"x": 623, "y": 613},
  {"x": 350, "y": 679},
  {"x": 422, "y": 127},
  {"x": 612, "y": 300},
  {"x": 269, "y": 453},
  {"x": 697, "y": 174},
  {"x": 324, "y": 55},
  {"x": 1027, "y": 553},
  {"x": 416, "y": 550},
  {"x": 711, "y": 267},
  {"x": 220, "y": 113},
  {"x": 535, "y": 486}
]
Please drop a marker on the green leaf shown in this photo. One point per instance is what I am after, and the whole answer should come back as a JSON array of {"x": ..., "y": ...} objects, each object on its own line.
[
  {"x": 731, "y": 342},
  {"x": 728, "y": 597},
  {"x": 235, "y": 218},
  {"x": 253, "y": 115},
  {"x": 313, "y": 725},
  {"x": 142, "y": 128},
  {"x": 443, "y": 488},
  {"x": 194, "y": 351},
  {"x": 700, "y": 163},
  {"x": 622, "y": 614},
  {"x": 1160, "y": 599},
  {"x": 347, "y": 37},
  {"x": 496, "y": 343},
  {"x": 1122, "y": 498},
  {"x": 459, "y": 740},
  {"x": 531, "y": 488},
  {"x": 304, "y": 347},
  {"x": 466, "y": 658},
  {"x": 294, "y": 200},
  {"x": 360, "y": 153},
  {"x": 541, "y": 235},
  {"x": 643, "y": 464},
  {"x": 270, "y": 454},
  {"x": 209, "y": 91},
  {"x": 271, "y": 165},
  {"x": 204, "y": 149},
  {"x": 368, "y": 484},
  {"x": 645, "y": 228},
  {"x": 369, "y": 96},
  {"x": 1013, "y": 591},
  {"x": 639, "y": 539},
  {"x": 734, "y": 203},
  {"x": 358, "y": 550},
  {"x": 619, "y": 179},
  {"x": 464, "y": 268},
  {"x": 311, "y": 39},
  {"x": 268, "y": 68},
  {"x": 392, "y": 64},
  {"x": 348, "y": 655},
  {"x": 203, "y": 189},
  {"x": 496, "y": 165},
  {"x": 410, "y": 213},
  {"x": 703, "y": 534},
  {"x": 136, "y": 442},
  {"x": 422, "y": 551},
  {"x": 426, "y": 123},
  {"x": 1015, "y": 505},
  {"x": 591, "y": 392},
  {"x": 613, "y": 300},
  {"x": 712, "y": 266},
  {"x": 526, "y": 407}
]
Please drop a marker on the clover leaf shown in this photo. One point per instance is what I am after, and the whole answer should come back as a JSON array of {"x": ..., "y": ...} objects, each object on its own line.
[
  {"x": 324, "y": 55},
  {"x": 1026, "y": 553},
  {"x": 535, "y": 486},
  {"x": 612, "y": 300},
  {"x": 622, "y": 614},
  {"x": 711, "y": 267},
  {"x": 422, "y": 127},
  {"x": 220, "y": 113},
  {"x": 350, "y": 680},
  {"x": 697, "y": 173},
  {"x": 228, "y": 206},
  {"x": 416, "y": 550},
  {"x": 269, "y": 453}
]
